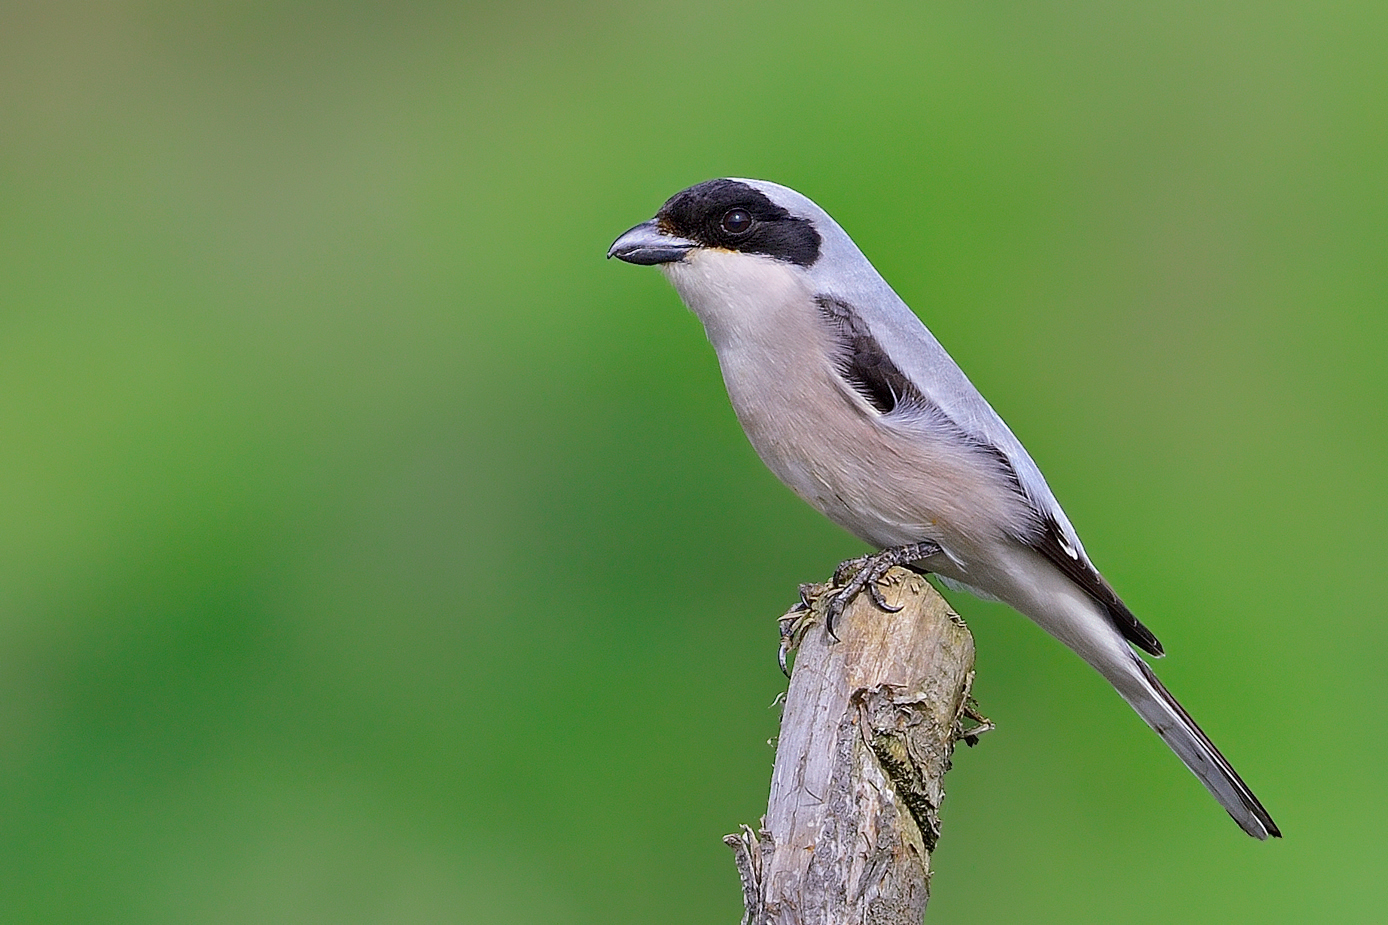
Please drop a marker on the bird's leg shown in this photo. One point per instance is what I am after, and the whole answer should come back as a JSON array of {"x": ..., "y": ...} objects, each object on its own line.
[{"x": 864, "y": 572}]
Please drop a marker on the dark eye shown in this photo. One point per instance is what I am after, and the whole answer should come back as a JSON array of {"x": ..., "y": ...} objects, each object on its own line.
[{"x": 737, "y": 221}]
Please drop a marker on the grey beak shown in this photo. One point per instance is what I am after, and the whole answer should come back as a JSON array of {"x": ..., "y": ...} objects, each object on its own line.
[{"x": 647, "y": 245}]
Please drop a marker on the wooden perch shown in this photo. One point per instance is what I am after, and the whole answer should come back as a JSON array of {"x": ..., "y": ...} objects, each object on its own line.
[{"x": 867, "y": 731}]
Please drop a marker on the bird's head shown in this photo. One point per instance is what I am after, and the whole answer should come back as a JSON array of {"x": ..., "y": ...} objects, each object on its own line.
[{"x": 750, "y": 217}]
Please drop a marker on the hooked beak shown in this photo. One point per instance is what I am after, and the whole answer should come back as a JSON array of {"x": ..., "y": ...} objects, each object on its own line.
[{"x": 647, "y": 245}]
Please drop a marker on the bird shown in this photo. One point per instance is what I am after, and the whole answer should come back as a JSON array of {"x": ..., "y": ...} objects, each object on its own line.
[{"x": 850, "y": 401}]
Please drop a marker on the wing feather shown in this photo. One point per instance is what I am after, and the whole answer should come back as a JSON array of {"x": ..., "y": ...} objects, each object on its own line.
[{"x": 870, "y": 371}]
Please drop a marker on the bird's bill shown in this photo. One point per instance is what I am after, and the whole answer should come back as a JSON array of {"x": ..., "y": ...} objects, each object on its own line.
[{"x": 647, "y": 245}]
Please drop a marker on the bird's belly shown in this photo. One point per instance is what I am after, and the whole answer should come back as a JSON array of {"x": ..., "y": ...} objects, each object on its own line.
[{"x": 885, "y": 483}]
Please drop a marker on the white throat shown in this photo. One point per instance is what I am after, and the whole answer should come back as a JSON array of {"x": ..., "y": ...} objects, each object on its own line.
[{"x": 740, "y": 298}]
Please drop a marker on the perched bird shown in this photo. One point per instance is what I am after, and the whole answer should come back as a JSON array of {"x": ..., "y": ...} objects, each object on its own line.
[{"x": 854, "y": 405}]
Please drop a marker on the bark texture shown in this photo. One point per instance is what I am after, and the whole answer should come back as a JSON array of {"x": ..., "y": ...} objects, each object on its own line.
[{"x": 869, "y": 724}]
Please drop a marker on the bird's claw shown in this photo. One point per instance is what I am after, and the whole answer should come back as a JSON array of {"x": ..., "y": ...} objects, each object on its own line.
[
  {"x": 867, "y": 573},
  {"x": 875, "y": 589},
  {"x": 793, "y": 625},
  {"x": 864, "y": 577},
  {"x": 846, "y": 569},
  {"x": 851, "y": 578}
]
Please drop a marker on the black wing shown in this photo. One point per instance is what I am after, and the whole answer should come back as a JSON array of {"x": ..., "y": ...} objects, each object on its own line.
[
  {"x": 862, "y": 362},
  {"x": 1052, "y": 544}
]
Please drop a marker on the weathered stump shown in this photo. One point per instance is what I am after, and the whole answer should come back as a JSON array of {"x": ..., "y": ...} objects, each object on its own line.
[{"x": 869, "y": 724}]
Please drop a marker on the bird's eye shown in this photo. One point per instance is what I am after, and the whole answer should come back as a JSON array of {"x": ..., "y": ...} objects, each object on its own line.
[{"x": 737, "y": 221}]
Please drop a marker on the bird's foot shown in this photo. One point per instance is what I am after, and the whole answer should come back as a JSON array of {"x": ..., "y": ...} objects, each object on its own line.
[
  {"x": 851, "y": 578},
  {"x": 864, "y": 573}
]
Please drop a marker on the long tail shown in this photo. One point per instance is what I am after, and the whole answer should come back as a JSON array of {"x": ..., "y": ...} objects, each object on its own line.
[
  {"x": 1154, "y": 703},
  {"x": 1032, "y": 584}
]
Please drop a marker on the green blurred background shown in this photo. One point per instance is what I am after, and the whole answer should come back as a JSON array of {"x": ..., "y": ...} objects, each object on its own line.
[{"x": 371, "y": 550}]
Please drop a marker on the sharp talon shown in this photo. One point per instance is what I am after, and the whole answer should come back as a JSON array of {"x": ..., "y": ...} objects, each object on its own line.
[
  {"x": 837, "y": 605},
  {"x": 851, "y": 578},
  {"x": 880, "y": 600},
  {"x": 794, "y": 623}
]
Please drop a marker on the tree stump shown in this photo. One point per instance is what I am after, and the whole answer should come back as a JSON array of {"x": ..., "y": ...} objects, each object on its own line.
[{"x": 869, "y": 724}]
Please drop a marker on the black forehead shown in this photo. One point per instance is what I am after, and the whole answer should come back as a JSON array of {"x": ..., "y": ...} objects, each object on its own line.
[
  {"x": 713, "y": 198},
  {"x": 696, "y": 214}
]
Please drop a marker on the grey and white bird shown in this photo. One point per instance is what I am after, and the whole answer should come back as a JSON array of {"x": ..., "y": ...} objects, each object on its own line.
[{"x": 852, "y": 402}]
